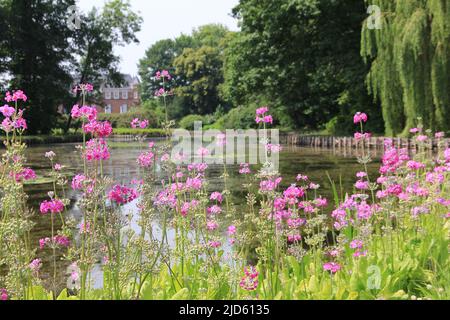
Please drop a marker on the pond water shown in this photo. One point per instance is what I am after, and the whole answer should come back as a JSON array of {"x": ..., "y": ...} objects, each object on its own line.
[{"x": 340, "y": 165}]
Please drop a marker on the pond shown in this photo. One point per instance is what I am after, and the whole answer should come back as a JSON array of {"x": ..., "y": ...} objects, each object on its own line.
[{"x": 317, "y": 163}]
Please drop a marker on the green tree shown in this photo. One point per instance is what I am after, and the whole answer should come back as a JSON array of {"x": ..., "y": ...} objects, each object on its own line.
[
  {"x": 36, "y": 53},
  {"x": 160, "y": 56},
  {"x": 410, "y": 63},
  {"x": 115, "y": 25},
  {"x": 202, "y": 70},
  {"x": 299, "y": 56}
]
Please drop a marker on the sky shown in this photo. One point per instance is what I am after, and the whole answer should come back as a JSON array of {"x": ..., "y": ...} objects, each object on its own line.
[{"x": 167, "y": 19}]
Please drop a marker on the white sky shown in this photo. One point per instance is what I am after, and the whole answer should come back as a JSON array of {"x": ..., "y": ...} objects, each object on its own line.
[{"x": 167, "y": 19}]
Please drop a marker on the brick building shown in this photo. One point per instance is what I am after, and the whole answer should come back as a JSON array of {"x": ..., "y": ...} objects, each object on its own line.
[{"x": 120, "y": 99}]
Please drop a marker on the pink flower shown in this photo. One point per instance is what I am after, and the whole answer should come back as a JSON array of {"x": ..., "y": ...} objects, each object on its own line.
[
  {"x": 274, "y": 148},
  {"x": 96, "y": 149},
  {"x": 215, "y": 209},
  {"x": 301, "y": 177},
  {"x": 214, "y": 244},
  {"x": 361, "y": 175},
  {"x": 211, "y": 225},
  {"x": 16, "y": 96},
  {"x": 293, "y": 192},
  {"x": 231, "y": 230},
  {"x": 20, "y": 123},
  {"x": 359, "y": 117},
  {"x": 57, "y": 167},
  {"x": 7, "y": 125},
  {"x": 7, "y": 111},
  {"x": 3, "y": 295},
  {"x": 362, "y": 185},
  {"x": 216, "y": 196},
  {"x": 163, "y": 74},
  {"x": 333, "y": 267},
  {"x": 35, "y": 265},
  {"x": 25, "y": 174},
  {"x": 221, "y": 139},
  {"x": 415, "y": 130},
  {"x": 422, "y": 138},
  {"x": 122, "y": 194},
  {"x": 86, "y": 112},
  {"x": 99, "y": 129},
  {"x": 414, "y": 165},
  {"x": 134, "y": 123},
  {"x": 244, "y": 168},
  {"x": 84, "y": 87},
  {"x": 261, "y": 111},
  {"x": 250, "y": 280},
  {"x": 294, "y": 238},
  {"x": 53, "y": 206},
  {"x": 78, "y": 181},
  {"x": 145, "y": 159},
  {"x": 270, "y": 184},
  {"x": 202, "y": 152},
  {"x": 439, "y": 135},
  {"x": 362, "y": 136},
  {"x": 144, "y": 124},
  {"x": 356, "y": 244}
]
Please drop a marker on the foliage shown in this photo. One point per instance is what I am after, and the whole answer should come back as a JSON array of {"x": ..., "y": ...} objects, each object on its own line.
[
  {"x": 123, "y": 120},
  {"x": 46, "y": 58},
  {"x": 302, "y": 56},
  {"x": 410, "y": 63},
  {"x": 196, "y": 62}
]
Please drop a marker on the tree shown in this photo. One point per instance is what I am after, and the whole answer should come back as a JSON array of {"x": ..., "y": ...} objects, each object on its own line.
[
  {"x": 299, "y": 56},
  {"x": 93, "y": 43},
  {"x": 160, "y": 56},
  {"x": 36, "y": 53},
  {"x": 410, "y": 63},
  {"x": 202, "y": 70},
  {"x": 195, "y": 61}
]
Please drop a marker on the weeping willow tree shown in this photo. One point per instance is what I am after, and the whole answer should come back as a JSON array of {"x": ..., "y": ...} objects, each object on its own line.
[{"x": 409, "y": 53}]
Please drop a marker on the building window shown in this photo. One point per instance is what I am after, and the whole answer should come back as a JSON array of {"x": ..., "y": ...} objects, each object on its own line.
[
  {"x": 108, "y": 108},
  {"x": 123, "y": 108},
  {"x": 125, "y": 94},
  {"x": 136, "y": 95},
  {"x": 108, "y": 95},
  {"x": 116, "y": 94}
]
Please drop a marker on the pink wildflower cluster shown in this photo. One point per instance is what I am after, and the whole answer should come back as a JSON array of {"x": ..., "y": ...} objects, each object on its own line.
[
  {"x": 250, "y": 280},
  {"x": 58, "y": 240},
  {"x": 3, "y": 294},
  {"x": 122, "y": 194},
  {"x": 13, "y": 118},
  {"x": 164, "y": 74},
  {"x": 244, "y": 168},
  {"x": 262, "y": 116},
  {"x": 270, "y": 184},
  {"x": 85, "y": 112},
  {"x": 35, "y": 265},
  {"x": 332, "y": 267},
  {"x": 99, "y": 129},
  {"x": 96, "y": 149},
  {"x": 84, "y": 87},
  {"x": 52, "y": 206},
  {"x": 142, "y": 124},
  {"x": 24, "y": 175},
  {"x": 163, "y": 92},
  {"x": 145, "y": 159}
]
